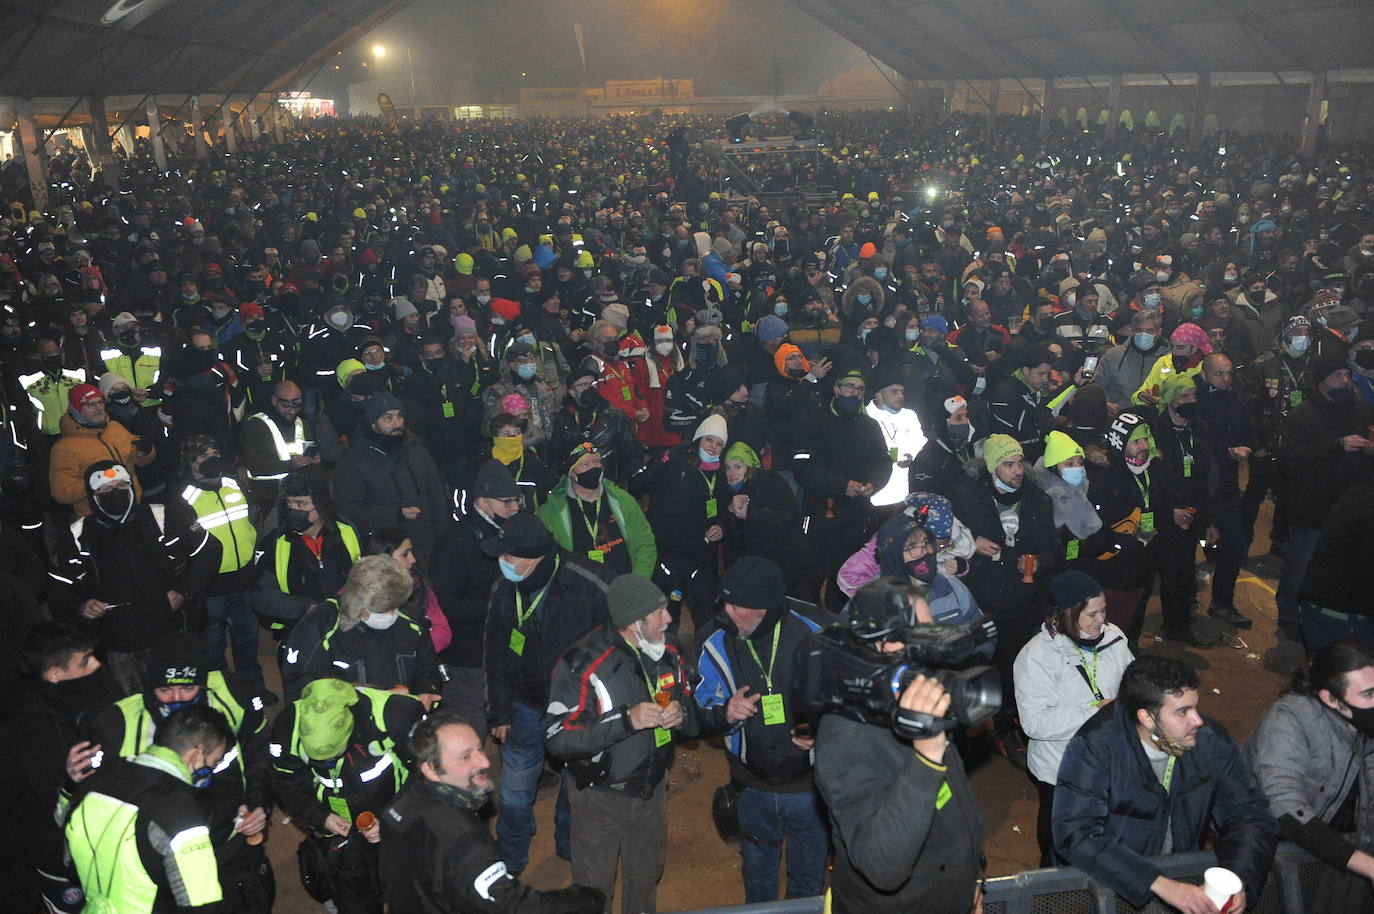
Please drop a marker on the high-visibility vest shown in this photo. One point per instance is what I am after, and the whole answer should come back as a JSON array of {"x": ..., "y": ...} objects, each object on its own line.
[
  {"x": 49, "y": 396},
  {"x": 330, "y": 789},
  {"x": 223, "y": 513},
  {"x": 141, "y": 370},
  {"x": 140, "y": 726},
  {"x": 285, "y": 449},
  {"x": 282, "y": 555},
  {"x": 104, "y": 835}
]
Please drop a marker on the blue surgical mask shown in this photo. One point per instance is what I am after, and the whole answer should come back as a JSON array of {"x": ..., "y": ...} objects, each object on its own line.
[
  {"x": 527, "y": 338},
  {"x": 912, "y": 335},
  {"x": 202, "y": 777},
  {"x": 1299, "y": 344},
  {"x": 880, "y": 273},
  {"x": 707, "y": 457},
  {"x": 1152, "y": 300},
  {"x": 1074, "y": 476},
  {"x": 737, "y": 486},
  {"x": 371, "y": 367},
  {"x": 780, "y": 308},
  {"x": 508, "y": 572},
  {"x": 1002, "y": 486},
  {"x": 1144, "y": 341},
  {"x": 863, "y": 298},
  {"x": 527, "y": 370}
]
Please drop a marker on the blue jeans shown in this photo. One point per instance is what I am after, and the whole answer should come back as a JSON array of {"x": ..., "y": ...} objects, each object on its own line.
[
  {"x": 764, "y": 819},
  {"x": 522, "y": 762},
  {"x": 1302, "y": 543},
  {"x": 231, "y": 611},
  {"x": 1321, "y": 627}
]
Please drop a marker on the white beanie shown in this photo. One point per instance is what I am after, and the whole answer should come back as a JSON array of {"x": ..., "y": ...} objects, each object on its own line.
[
  {"x": 713, "y": 424},
  {"x": 108, "y": 381}
]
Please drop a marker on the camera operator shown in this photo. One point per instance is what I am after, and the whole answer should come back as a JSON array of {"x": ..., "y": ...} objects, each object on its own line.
[{"x": 905, "y": 824}]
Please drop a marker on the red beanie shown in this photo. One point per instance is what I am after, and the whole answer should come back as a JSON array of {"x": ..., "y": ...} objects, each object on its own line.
[
  {"x": 82, "y": 394},
  {"x": 506, "y": 308}
]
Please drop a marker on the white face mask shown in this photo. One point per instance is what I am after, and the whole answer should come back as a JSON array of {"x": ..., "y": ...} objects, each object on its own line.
[
  {"x": 381, "y": 621},
  {"x": 654, "y": 650},
  {"x": 483, "y": 298},
  {"x": 663, "y": 348}
]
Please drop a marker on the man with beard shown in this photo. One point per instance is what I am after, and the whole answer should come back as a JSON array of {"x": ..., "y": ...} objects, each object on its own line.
[
  {"x": 272, "y": 444},
  {"x": 1146, "y": 776},
  {"x": 1327, "y": 713},
  {"x": 89, "y": 435},
  {"x": 436, "y": 852},
  {"x": 386, "y": 477},
  {"x": 128, "y": 572},
  {"x": 65, "y": 686}
]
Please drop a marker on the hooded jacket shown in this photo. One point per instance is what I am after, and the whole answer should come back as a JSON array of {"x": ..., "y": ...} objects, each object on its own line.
[
  {"x": 1053, "y": 694},
  {"x": 79, "y": 447},
  {"x": 1114, "y": 555},
  {"x": 1111, "y": 812},
  {"x": 132, "y": 566}
]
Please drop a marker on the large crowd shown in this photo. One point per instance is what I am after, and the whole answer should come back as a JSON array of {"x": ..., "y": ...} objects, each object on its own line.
[{"x": 488, "y": 429}]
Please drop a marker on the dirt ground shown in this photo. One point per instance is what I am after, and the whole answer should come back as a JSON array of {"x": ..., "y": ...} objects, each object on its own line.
[{"x": 1240, "y": 678}]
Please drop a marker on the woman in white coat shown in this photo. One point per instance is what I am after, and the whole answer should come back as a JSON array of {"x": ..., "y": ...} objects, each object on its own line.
[{"x": 1064, "y": 675}]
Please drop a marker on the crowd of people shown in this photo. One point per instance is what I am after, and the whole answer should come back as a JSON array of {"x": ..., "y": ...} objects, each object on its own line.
[{"x": 538, "y": 431}]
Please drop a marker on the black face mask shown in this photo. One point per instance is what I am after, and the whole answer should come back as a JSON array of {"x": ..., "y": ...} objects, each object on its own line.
[
  {"x": 211, "y": 468},
  {"x": 115, "y": 505},
  {"x": 1365, "y": 359},
  {"x": 923, "y": 569},
  {"x": 796, "y": 372},
  {"x": 120, "y": 397},
  {"x": 589, "y": 478},
  {"x": 72, "y": 696},
  {"x": 1186, "y": 411},
  {"x": 435, "y": 366},
  {"x": 958, "y": 434},
  {"x": 51, "y": 363},
  {"x": 128, "y": 337},
  {"x": 1363, "y": 719},
  {"x": 297, "y": 521}
]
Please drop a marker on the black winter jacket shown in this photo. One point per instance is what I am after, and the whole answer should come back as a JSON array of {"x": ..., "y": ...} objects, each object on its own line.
[
  {"x": 1340, "y": 575},
  {"x": 1316, "y": 467},
  {"x": 682, "y": 505},
  {"x": 371, "y": 487},
  {"x": 574, "y": 604},
  {"x": 318, "y": 649},
  {"x": 462, "y": 576},
  {"x": 588, "y": 723},
  {"x": 438, "y": 857},
  {"x": 1111, "y": 812},
  {"x": 997, "y": 584},
  {"x": 907, "y": 833},
  {"x": 834, "y": 449}
]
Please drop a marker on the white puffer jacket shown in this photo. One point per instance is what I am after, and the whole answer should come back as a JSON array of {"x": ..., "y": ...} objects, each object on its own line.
[{"x": 1052, "y": 694}]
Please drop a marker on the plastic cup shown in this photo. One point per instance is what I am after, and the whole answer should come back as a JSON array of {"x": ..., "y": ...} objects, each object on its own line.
[
  {"x": 1220, "y": 885},
  {"x": 366, "y": 820}
]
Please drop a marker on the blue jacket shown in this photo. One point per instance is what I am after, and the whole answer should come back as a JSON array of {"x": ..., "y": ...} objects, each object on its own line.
[
  {"x": 1110, "y": 810},
  {"x": 761, "y": 754}
]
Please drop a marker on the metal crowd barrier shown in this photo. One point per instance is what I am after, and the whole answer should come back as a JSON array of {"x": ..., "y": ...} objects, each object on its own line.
[{"x": 1291, "y": 889}]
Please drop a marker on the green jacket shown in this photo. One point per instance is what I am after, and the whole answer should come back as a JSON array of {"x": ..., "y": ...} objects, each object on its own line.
[{"x": 639, "y": 537}]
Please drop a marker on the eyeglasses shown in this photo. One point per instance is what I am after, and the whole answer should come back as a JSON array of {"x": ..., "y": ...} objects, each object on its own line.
[{"x": 298, "y": 402}]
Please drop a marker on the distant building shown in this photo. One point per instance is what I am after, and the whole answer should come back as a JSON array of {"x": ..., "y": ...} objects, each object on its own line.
[{"x": 418, "y": 96}]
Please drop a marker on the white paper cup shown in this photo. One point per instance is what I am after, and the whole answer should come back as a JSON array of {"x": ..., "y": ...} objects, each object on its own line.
[{"x": 1221, "y": 885}]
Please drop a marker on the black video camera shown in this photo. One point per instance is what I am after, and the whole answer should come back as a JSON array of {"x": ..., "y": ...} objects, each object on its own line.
[{"x": 841, "y": 671}]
